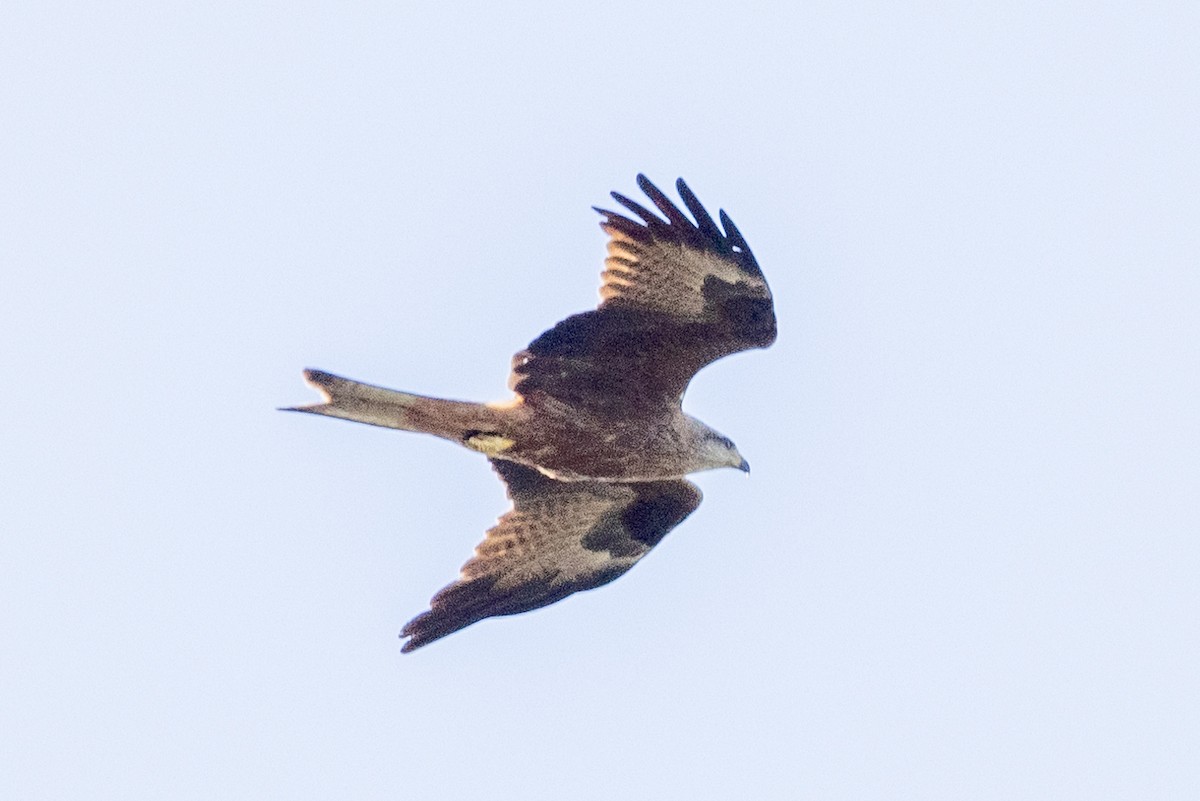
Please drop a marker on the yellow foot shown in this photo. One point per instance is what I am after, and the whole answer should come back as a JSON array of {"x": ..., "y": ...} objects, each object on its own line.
[{"x": 491, "y": 444}]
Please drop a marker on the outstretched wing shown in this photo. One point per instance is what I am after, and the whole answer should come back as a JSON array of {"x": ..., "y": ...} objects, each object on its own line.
[
  {"x": 559, "y": 538},
  {"x": 676, "y": 295}
]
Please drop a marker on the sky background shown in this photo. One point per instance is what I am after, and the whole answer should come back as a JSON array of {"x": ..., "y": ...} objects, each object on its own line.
[{"x": 965, "y": 565}]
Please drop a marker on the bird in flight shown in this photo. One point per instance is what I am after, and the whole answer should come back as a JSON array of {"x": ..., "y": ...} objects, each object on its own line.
[{"x": 594, "y": 445}]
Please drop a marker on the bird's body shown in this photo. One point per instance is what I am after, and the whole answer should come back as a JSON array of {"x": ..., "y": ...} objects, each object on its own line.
[
  {"x": 544, "y": 433},
  {"x": 594, "y": 444}
]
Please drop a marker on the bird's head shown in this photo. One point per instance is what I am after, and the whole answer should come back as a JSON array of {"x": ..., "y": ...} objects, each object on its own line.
[{"x": 718, "y": 450}]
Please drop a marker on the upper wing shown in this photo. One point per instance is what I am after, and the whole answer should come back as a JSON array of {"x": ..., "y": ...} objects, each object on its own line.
[
  {"x": 676, "y": 295},
  {"x": 560, "y": 537}
]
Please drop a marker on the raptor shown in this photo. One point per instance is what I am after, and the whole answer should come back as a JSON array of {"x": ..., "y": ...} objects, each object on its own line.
[{"x": 594, "y": 445}]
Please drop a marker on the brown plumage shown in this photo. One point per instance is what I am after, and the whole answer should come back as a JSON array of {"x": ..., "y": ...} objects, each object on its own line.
[
  {"x": 595, "y": 443},
  {"x": 560, "y": 537}
]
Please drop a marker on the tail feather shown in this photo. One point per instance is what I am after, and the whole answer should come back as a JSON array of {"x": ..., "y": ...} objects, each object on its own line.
[
  {"x": 352, "y": 400},
  {"x": 365, "y": 403}
]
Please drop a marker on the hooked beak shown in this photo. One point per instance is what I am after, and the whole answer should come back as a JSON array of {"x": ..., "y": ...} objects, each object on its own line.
[{"x": 744, "y": 466}]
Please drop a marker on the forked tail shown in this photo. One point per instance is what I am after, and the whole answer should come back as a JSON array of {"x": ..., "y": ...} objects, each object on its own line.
[{"x": 365, "y": 403}]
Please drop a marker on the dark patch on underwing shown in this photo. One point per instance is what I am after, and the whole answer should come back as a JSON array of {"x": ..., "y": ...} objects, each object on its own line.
[
  {"x": 612, "y": 536},
  {"x": 659, "y": 509},
  {"x": 750, "y": 319}
]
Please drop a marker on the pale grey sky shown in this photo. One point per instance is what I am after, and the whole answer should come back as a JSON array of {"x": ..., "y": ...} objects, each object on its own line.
[{"x": 965, "y": 565}]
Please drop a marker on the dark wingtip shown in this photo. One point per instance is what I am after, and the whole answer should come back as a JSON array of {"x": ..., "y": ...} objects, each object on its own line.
[
  {"x": 738, "y": 243},
  {"x": 412, "y": 632},
  {"x": 731, "y": 230},
  {"x": 649, "y": 218},
  {"x": 703, "y": 219},
  {"x": 702, "y": 232}
]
